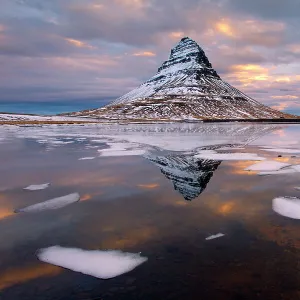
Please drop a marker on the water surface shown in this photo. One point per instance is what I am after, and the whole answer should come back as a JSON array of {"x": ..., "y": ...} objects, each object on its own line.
[{"x": 163, "y": 204}]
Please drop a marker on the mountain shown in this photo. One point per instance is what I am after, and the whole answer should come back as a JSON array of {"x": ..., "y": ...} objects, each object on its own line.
[
  {"x": 189, "y": 176},
  {"x": 186, "y": 87}
]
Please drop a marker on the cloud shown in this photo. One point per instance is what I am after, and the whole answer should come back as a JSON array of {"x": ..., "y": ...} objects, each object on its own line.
[
  {"x": 87, "y": 49},
  {"x": 285, "y": 97},
  {"x": 78, "y": 43},
  {"x": 144, "y": 53}
]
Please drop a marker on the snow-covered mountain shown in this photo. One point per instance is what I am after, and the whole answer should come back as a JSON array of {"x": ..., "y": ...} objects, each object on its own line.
[{"x": 186, "y": 87}]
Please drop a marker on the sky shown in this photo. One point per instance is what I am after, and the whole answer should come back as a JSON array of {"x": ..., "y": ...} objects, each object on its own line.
[{"x": 85, "y": 50}]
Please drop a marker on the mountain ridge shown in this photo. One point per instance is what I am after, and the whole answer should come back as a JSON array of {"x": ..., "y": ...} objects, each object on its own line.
[{"x": 186, "y": 87}]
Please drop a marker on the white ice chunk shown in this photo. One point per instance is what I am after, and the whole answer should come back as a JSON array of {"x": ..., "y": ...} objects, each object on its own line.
[
  {"x": 122, "y": 152},
  {"x": 267, "y": 165},
  {"x": 287, "y": 207},
  {"x": 230, "y": 148},
  {"x": 289, "y": 170},
  {"x": 297, "y": 188},
  {"x": 121, "y": 149},
  {"x": 55, "y": 203},
  {"x": 229, "y": 156},
  {"x": 282, "y": 150},
  {"x": 218, "y": 235},
  {"x": 100, "y": 264},
  {"x": 37, "y": 187},
  {"x": 87, "y": 158}
]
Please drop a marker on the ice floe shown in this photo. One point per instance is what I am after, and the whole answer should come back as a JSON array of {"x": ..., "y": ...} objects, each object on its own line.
[
  {"x": 87, "y": 158},
  {"x": 297, "y": 188},
  {"x": 228, "y": 156},
  {"x": 288, "y": 170},
  {"x": 267, "y": 165},
  {"x": 212, "y": 237},
  {"x": 287, "y": 207},
  {"x": 37, "y": 187},
  {"x": 122, "y": 149},
  {"x": 100, "y": 264},
  {"x": 282, "y": 150},
  {"x": 55, "y": 203},
  {"x": 230, "y": 148}
]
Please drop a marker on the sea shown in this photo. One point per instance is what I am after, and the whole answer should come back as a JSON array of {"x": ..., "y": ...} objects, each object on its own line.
[
  {"x": 157, "y": 211},
  {"x": 50, "y": 107}
]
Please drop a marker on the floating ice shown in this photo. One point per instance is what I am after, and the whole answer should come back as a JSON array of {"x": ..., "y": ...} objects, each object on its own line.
[
  {"x": 87, "y": 158},
  {"x": 288, "y": 170},
  {"x": 297, "y": 188},
  {"x": 230, "y": 148},
  {"x": 218, "y": 235},
  {"x": 267, "y": 165},
  {"x": 229, "y": 156},
  {"x": 62, "y": 142},
  {"x": 122, "y": 149},
  {"x": 37, "y": 187},
  {"x": 100, "y": 264},
  {"x": 282, "y": 150},
  {"x": 123, "y": 153},
  {"x": 55, "y": 203},
  {"x": 287, "y": 207}
]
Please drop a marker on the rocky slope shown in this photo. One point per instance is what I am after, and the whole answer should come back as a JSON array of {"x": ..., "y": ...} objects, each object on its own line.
[{"x": 186, "y": 87}]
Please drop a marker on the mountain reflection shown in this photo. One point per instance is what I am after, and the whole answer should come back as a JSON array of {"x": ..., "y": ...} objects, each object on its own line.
[{"x": 188, "y": 175}]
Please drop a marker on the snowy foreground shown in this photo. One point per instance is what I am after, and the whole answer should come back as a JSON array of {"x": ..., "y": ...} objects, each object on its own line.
[{"x": 23, "y": 117}]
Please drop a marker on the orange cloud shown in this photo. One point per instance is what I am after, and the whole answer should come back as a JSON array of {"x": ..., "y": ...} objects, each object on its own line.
[
  {"x": 21, "y": 275},
  {"x": 266, "y": 33},
  {"x": 294, "y": 48},
  {"x": 78, "y": 43},
  {"x": 285, "y": 97},
  {"x": 144, "y": 53},
  {"x": 281, "y": 106},
  {"x": 249, "y": 73},
  {"x": 225, "y": 28},
  {"x": 176, "y": 34}
]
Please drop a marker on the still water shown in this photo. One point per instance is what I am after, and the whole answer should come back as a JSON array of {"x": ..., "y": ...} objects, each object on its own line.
[{"x": 144, "y": 191}]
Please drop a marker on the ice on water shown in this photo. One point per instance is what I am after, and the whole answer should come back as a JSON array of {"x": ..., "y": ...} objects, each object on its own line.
[
  {"x": 287, "y": 206},
  {"x": 229, "y": 156},
  {"x": 215, "y": 236},
  {"x": 37, "y": 187},
  {"x": 87, "y": 158},
  {"x": 268, "y": 165},
  {"x": 100, "y": 264},
  {"x": 288, "y": 170},
  {"x": 51, "y": 204}
]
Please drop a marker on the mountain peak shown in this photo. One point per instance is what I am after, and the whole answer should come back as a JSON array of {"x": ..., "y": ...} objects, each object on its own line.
[
  {"x": 186, "y": 87},
  {"x": 187, "y": 55}
]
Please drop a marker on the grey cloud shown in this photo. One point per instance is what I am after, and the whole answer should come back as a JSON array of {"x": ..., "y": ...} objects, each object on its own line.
[{"x": 273, "y": 9}]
